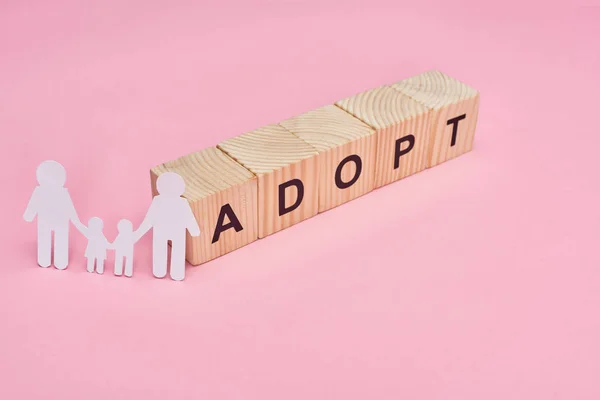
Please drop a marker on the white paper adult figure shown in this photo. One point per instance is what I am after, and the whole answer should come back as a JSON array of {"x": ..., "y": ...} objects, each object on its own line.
[
  {"x": 123, "y": 245},
  {"x": 95, "y": 252},
  {"x": 52, "y": 205},
  {"x": 170, "y": 215}
]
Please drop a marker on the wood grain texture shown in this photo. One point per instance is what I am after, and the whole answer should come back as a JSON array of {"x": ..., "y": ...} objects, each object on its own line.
[
  {"x": 448, "y": 98},
  {"x": 393, "y": 116},
  {"x": 336, "y": 135},
  {"x": 276, "y": 156},
  {"x": 213, "y": 180}
]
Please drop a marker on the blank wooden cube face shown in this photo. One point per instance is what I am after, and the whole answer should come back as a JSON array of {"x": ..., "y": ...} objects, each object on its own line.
[
  {"x": 224, "y": 198},
  {"x": 288, "y": 173},
  {"x": 346, "y": 149},
  {"x": 454, "y": 108},
  {"x": 401, "y": 128}
]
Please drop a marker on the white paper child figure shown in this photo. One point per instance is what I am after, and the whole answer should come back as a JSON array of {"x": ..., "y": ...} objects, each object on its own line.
[
  {"x": 170, "y": 215},
  {"x": 52, "y": 205},
  {"x": 123, "y": 245},
  {"x": 95, "y": 252}
]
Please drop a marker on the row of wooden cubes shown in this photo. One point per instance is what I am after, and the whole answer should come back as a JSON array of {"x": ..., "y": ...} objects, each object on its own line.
[{"x": 266, "y": 180}]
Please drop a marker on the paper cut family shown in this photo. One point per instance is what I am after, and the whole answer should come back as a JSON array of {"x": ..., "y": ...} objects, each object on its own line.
[{"x": 169, "y": 215}]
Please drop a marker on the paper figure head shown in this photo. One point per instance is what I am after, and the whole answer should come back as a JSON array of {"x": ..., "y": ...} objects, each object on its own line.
[
  {"x": 170, "y": 184},
  {"x": 125, "y": 225},
  {"x": 51, "y": 173},
  {"x": 95, "y": 224}
]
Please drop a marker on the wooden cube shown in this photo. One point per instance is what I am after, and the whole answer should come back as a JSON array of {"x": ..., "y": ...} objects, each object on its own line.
[
  {"x": 401, "y": 128},
  {"x": 224, "y": 198},
  {"x": 454, "y": 108},
  {"x": 346, "y": 149},
  {"x": 288, "y": 174}
]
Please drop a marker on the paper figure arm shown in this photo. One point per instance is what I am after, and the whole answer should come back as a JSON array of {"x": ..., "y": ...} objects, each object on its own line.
[
  {"x": 71, "y": 210},
  {"x": 191, "y": 223},
  {"x": 32, "y": 206},
  {"x": 146, "y": 224},
  {"x": 81, "y": 228}
]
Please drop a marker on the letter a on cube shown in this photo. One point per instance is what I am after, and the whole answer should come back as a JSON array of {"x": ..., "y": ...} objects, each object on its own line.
[
  {"x": 401, "y": 131},
  {"x": 223, "y": 196},
  {"x": 454, "y": 106},
  {"x": 288, "y": 174},
  {"x": 346, "y": 147}
]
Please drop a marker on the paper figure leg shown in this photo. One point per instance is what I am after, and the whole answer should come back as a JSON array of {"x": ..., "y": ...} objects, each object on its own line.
[
  {"x": 129, "y": 266},
  {"x": 61, "y": 247},
  {"x": 159, "y": 256},
  {"x": 178, "y": 259},
  {"x": 118, "y": 264},
  {"x": 100, "y": 266},
  {"x": 44, "y": 254},
  {"x": 90, "y": 264}
]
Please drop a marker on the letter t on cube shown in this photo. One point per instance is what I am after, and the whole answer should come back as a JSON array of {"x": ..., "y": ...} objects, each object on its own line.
[{"x": 288, "y": 175}]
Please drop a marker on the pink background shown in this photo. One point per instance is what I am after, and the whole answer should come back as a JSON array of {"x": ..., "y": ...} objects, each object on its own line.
[{"x": 478, "y": 279}]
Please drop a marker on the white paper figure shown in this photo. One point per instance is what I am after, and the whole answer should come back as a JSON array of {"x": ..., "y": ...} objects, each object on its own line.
[
  {"x": 95, "y": 252},
  {"x": 123, "y": 245},
  {"x": 52, "y": 205},
  {"x": 170, "y": 215}
]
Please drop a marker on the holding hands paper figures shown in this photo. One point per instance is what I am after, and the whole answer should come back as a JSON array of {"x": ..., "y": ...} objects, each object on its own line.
[
  {"x": 170, "y": 215},
  {"x": 98, "y": 244},
  {"x": 52, "y": 205}
]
